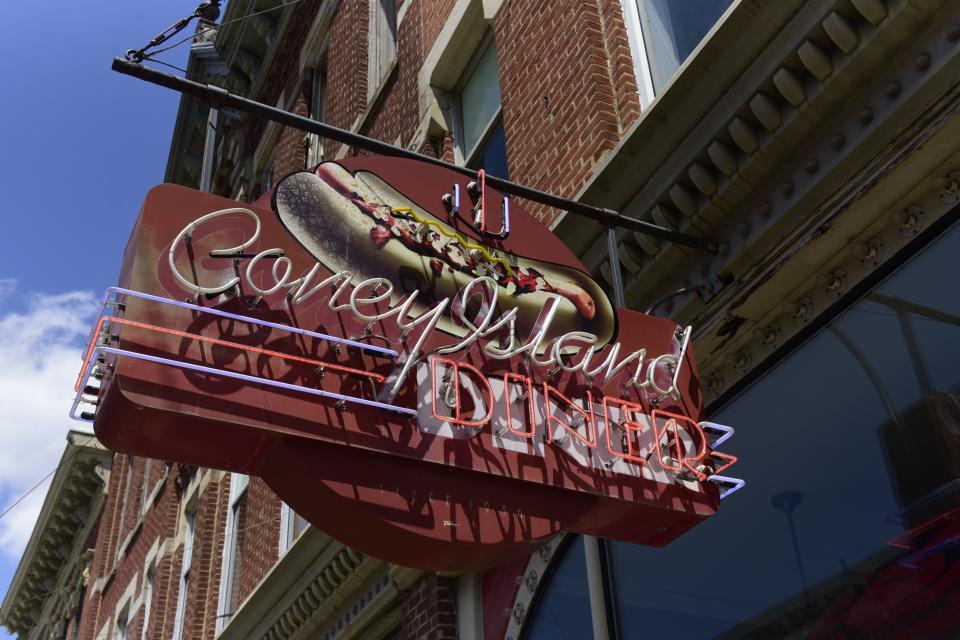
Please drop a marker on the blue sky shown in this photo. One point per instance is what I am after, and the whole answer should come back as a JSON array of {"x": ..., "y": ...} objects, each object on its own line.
[{"x": 81, "y": 147}]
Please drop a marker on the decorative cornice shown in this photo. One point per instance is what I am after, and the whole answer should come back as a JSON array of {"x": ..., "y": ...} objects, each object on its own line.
[
  {"x": 322, "y": 587},
  {"x": 826, "y": 130},
  {"x": 51, "y": 568}
]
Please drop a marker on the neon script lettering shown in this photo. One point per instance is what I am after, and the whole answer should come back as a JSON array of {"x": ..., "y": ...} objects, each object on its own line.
[{"x": 372, "y": 300}]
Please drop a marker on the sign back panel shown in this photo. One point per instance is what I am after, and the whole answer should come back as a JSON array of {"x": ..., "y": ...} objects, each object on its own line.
[{"x": 422, "y": 389}]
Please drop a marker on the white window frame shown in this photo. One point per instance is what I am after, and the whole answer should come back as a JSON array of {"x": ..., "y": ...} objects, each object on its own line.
[
  {"x": 127, "y": 480},
  {"x": 318, "y": 94},
  {"x": 288, "y": 518},
  {"x": 147, "y": 597},
  {"x": 638, "y": 51},
  {"x": 239, "y": 483},
  {"x": 122, "y": 623},
  {"x": 461, "y": 155},
  {"x": 381, "y": 45},
  {"x": 145, "y": 485},
  {"x": 190, "y": 522}
]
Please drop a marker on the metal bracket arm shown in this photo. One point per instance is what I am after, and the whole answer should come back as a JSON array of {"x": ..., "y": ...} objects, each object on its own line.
[{"x": 210, "y": 93}]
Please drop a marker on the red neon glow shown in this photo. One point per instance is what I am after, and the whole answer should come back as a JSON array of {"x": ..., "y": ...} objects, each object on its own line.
[
  {"x": 586, "y": 413},
  {"x": 627, "y": 425},
  {"x": 682, "y": 460},
  {"x": 482, "y": 177},
  {"x": 224, "y": 343},
  {"x": 732, "y": 460},
  {"x": 530, "y": 403},
  {"x": 455, "y": 381},
  {"x": 900, "y": 540}
]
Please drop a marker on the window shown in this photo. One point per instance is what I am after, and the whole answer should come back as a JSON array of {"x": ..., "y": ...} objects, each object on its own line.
[
  {"x": 479, "y": 127},
  {"x": 382, "y": 43},
  {"x": 663, "y": 33},
  {"x": 145, "y": 486},
  {"x": 318, "y": 88},
  {"x": 848, "y": 526},
  {"x": 178, "y": 621},
  {"x": 120, "y": 633},
  {"x": 266, "y": 177},
  {"x": 291, "y": 526},
  {"x": 123, "y": 505},
  {"x": 563, "y": 609},
  {"x": 230, "y": 596},
  {"x": 147, "y": 601}
]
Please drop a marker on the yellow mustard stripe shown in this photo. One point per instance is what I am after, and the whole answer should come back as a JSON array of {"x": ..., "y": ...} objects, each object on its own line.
[{"x": 459, "y": 238}]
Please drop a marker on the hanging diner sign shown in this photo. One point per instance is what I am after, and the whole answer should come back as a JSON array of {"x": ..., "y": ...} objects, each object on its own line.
[{"x": 421, "y": 387}]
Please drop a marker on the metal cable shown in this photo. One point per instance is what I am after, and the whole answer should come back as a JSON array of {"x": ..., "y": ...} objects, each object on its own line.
[
  {"x": 42, "y": 480},
  {"x": 223, "y": 24}
]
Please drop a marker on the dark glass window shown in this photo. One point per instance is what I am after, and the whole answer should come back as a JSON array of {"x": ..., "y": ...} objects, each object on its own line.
[
  {"x": 672, "y": 29},
  {"x": 563, "y": 611},
  {"x": 848, "y": 526},
  {"x": 480, "y": 136},
  {"x": 491, "y": 155}
]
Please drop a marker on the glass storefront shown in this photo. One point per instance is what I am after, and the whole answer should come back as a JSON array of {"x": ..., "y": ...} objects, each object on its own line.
[
  {"x": 849, "y": 525},
  {"x": 564, "y": 608}
]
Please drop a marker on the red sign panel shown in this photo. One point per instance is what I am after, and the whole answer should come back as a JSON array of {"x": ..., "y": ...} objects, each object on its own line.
[{"x": 422, "y": 388}]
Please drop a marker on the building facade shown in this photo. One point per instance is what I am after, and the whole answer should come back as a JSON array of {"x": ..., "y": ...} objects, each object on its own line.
[{"x": 815, "y": 140}]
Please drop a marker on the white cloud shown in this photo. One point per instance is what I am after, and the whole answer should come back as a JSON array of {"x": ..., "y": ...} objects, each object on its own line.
[{"x": 40, "y": 352}]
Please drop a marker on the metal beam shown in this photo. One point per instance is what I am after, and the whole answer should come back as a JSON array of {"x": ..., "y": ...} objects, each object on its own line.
[{"x": 220, "y": 97}]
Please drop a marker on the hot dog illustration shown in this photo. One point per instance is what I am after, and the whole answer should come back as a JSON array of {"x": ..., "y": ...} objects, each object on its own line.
[{"x": 359, "y": 223}]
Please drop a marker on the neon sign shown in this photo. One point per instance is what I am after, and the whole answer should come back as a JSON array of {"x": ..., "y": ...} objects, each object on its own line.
[{"x": 461, "y": 393}]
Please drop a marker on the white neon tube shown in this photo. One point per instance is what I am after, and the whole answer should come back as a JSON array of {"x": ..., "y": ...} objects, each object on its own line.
[{"x": 228, "y": 374}]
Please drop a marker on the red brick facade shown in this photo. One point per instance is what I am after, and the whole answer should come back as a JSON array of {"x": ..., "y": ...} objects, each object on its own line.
[{"x": 429, "y": 611}]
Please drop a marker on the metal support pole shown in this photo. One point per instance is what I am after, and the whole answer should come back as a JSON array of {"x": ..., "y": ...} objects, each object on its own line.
[
  {"x": 598, "y": 601},
  {"x": 216, "y": 95},
  {"x": 209, "y": 147},
  {"x": 619, "y": 297}
]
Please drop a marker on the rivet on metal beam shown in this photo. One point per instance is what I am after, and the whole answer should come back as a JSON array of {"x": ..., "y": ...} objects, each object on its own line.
[
  {"x": 815, "y": 60},
  {"x": 841, "y": 32}
]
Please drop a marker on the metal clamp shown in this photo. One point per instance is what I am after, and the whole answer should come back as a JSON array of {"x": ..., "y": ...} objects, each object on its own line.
[{"x": 477, "y": 190}]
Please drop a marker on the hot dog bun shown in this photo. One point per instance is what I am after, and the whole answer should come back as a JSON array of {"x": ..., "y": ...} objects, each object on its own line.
[{"x": 350, "y": 222}]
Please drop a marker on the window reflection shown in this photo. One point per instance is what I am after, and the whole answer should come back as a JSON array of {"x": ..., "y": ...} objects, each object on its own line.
[
  {"x": 564, "y": 608},
  {"x": 848, "y": 526},
  {"x": 672, "y": 29}
]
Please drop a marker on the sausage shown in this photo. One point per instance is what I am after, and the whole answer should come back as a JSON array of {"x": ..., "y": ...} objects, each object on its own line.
[{"x": 361, "y": 224}]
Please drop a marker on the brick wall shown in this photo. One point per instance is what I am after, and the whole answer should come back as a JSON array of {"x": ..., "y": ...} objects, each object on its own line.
[
  {"x": 429, "y": 610},
  {"x": 291, "y": 150},
  {"x": 111, "y": 573},
  {"x": 567, "y": 90},
  {"x": 259, "y": 543},
  {"x": 283, "y": 73},
  {"x": 346, "y": 94},
  {"x": 203, "y": 591}
]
